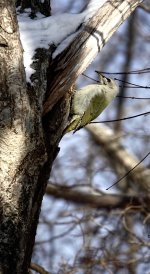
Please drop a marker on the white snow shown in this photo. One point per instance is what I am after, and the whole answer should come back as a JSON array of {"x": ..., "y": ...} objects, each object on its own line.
[
  {"x": 41, "y": 33},
  {"x": 59, "y": 29}
]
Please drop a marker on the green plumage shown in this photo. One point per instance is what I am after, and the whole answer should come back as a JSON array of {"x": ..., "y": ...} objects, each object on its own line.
[{"x": 89, "y": 102}]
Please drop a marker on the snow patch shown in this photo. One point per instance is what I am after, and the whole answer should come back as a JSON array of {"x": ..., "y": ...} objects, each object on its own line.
[
  {"x": 41, "y": 33},
  {"x": 59, "y": 29}
]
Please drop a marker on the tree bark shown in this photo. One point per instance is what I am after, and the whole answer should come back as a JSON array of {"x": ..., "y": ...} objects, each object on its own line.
[
  {"x": 22, "y": 151},
  {"x": 28, "y": 143}
]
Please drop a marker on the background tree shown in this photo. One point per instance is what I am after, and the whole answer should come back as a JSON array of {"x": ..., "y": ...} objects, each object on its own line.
[{"x": 30, "y": 133}]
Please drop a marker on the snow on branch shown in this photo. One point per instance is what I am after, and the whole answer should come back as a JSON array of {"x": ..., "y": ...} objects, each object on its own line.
[{"x": 43, "y": 32}]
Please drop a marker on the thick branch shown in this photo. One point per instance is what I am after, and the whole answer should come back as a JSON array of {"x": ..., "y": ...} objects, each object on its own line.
[
  {"x": 67, "y": 66},
  {"x": 105, "y": 201}
]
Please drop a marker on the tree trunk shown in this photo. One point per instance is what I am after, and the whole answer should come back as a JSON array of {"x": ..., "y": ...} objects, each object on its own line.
[
  {"x": 28, "y": 142},
  {"x": 24, "y": 161}
]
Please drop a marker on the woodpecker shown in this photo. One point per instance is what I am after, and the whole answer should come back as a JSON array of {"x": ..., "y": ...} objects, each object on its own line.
[{"x": 89, "y": 102}]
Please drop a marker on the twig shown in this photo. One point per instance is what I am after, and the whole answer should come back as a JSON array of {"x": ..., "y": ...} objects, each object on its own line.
[
  {"x": 127, "y": 173},
  {"x": 38, "y": 268}
]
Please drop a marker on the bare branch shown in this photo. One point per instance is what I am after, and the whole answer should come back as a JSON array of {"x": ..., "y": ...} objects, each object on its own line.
[
  {"x": 131, "y": 37},
  {"x": 95, "y": 200},
  {"x": 138, "y": 71},
  {"x": 122, "y": 119},
  {"x": 38, "y": 268},
  {"x": 145, "y": 7},
  {"x": 122, "y": 159}
]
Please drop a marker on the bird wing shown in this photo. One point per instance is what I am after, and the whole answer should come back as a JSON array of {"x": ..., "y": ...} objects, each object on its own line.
[
  {"x": 82, "y": 98},
  {"x": 96, "y": 105}
]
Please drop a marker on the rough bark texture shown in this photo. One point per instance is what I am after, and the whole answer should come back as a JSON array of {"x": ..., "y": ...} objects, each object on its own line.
[
  {"x": 24, "y": 164},
  {"x": 28, "y": 143}
]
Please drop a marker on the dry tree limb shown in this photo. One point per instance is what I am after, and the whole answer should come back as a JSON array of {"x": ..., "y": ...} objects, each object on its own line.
[
  {"x": 83, "y": 49},
  {"x": 122, "y": 160},
  {"x": 95, "y": 199},
  {"x": 38, "y": 268}
]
